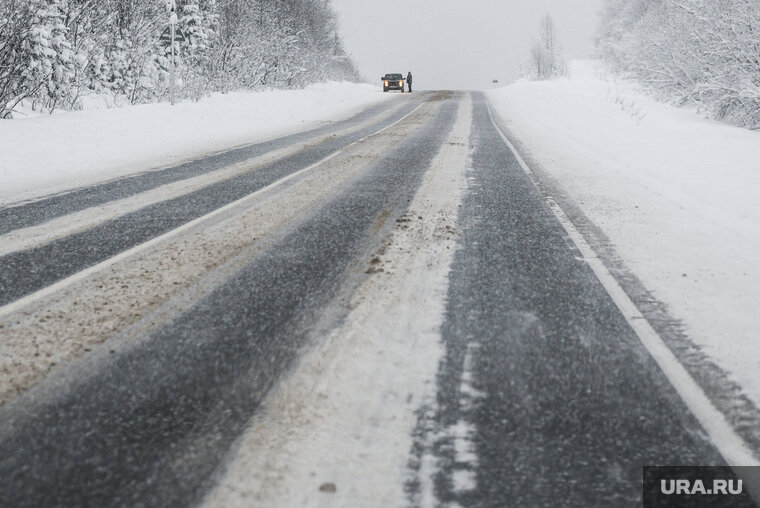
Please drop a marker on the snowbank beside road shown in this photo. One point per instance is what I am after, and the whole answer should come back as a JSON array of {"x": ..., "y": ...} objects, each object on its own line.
[
  {"x": 678, "y": 195},
  {"x": 45, "y": 153}
]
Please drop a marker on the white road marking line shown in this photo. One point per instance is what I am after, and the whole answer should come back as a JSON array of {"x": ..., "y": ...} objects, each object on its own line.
[
  {"x": 49, "y": 290},
  {"x": 731, "y": 446}
]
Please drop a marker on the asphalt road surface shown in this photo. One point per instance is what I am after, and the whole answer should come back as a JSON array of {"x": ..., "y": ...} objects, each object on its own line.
[
  {"x": 563, "y": 403},
  {"x": 570, "y": 405}
]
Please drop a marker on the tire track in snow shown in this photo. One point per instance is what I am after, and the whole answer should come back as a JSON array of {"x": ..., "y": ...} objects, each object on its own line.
[
  {"x": 26, "y": 273},
  {"x": 67, "y": 320},
  {"x": 44, "y": 208},
  {"x": 344, "y": 418},
  {"x": 60, "y": 227}
]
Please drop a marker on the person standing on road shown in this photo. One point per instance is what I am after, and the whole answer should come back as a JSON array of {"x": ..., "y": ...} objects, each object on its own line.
[{"x": 409, "y": 80}]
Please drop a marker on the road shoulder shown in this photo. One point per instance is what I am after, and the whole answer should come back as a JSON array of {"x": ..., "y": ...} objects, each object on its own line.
[{"x": 720, "y": 387}]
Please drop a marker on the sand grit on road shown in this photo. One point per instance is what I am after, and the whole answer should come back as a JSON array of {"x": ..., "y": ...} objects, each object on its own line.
[{"x": 114, "y": 306}]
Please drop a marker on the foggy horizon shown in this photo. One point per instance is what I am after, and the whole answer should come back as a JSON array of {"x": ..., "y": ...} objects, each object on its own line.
[{"x": 458, "y": 46}]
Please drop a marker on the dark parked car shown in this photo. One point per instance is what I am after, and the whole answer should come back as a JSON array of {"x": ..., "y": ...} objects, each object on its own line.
[{"x": 393, "y": 82}]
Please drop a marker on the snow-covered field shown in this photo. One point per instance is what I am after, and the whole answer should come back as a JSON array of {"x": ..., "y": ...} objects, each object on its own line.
[
  {"x": 678, "y": 195},
  {"x": 44, "y": 154}
]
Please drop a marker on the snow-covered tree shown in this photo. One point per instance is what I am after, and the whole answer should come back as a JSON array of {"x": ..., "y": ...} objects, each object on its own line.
[
  {"x": 278, "y": 43},
  {"x": 703, "y": 53},
  {"x": 198, "y": 20},
  {"x": 54, "y": 51},
  {"x": 546, "y": 58},
  {"x": 36, "y": 60}
]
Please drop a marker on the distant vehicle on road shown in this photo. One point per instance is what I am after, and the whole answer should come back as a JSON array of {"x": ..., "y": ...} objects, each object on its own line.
[{"x": 393, "y": 82}]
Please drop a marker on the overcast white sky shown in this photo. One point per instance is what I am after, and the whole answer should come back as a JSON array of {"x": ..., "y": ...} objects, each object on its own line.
[{"x": 457, "y": 44}]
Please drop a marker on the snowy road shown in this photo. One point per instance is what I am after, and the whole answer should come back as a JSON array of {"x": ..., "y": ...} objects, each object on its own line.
[
  {"x": 544, "y": 392},
  {"x": 390, "y": 294}
]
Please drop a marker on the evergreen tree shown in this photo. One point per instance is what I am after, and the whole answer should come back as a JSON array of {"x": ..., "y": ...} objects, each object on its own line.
[
  {"x": 52, "y": 52},
  {"x": 36, "y": 60}
]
